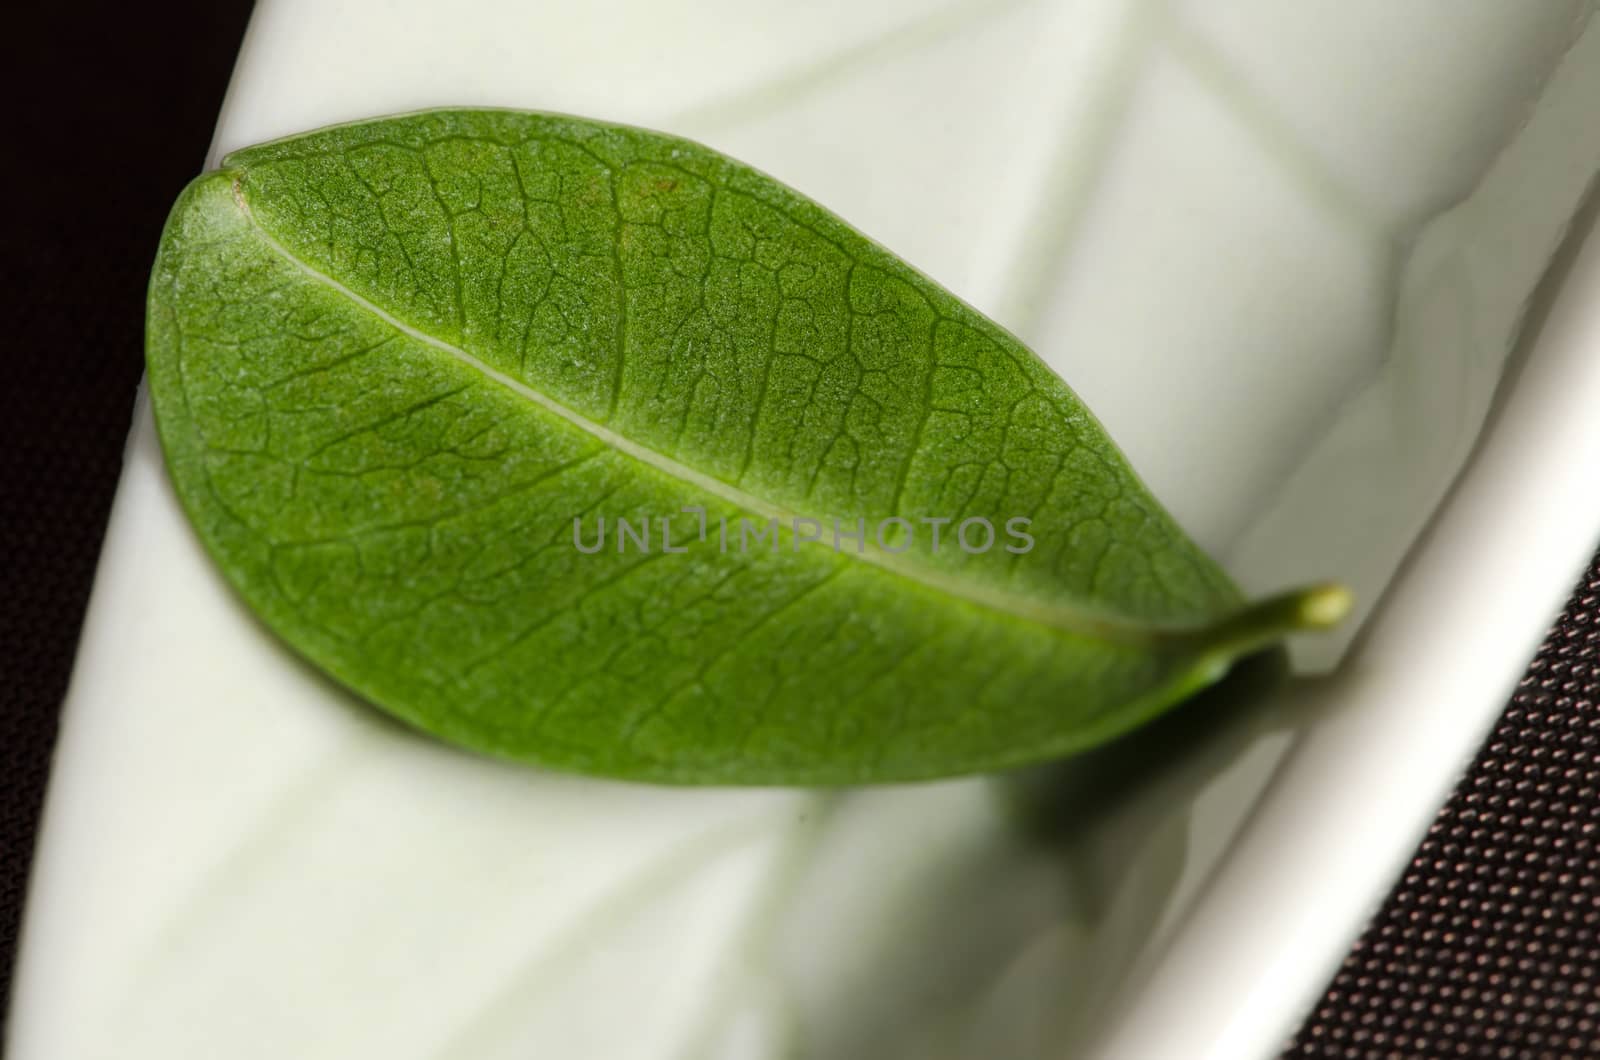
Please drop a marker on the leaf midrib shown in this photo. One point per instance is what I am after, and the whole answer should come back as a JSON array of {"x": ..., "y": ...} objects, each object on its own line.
[{"x": 1078, "y": 621}]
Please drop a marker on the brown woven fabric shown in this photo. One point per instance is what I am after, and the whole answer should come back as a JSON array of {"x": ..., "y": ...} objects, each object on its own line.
[
  {"x": 1489, "y": 947},
  {"x": 1490, "y": 944}
]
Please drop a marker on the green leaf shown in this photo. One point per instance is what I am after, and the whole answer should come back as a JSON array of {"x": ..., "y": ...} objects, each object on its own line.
[{"x": 394, "y": 363}]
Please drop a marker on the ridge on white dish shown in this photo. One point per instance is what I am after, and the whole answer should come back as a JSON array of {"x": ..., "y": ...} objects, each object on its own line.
[{"x": 1307, "y": 250}]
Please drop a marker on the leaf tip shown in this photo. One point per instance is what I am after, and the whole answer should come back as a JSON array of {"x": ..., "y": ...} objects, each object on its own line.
[
  {"x": 1323, "y": 606},
  {"x": 1310, "y": 609}
]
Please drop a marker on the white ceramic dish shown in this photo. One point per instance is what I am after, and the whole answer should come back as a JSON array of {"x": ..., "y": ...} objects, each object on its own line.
[{"x": 1283, "y": 250}]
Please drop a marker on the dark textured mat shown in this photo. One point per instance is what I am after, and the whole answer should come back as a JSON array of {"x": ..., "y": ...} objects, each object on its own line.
[
  {"x": 109, "y": 109},
  {"x": 1490, "y": 944}
]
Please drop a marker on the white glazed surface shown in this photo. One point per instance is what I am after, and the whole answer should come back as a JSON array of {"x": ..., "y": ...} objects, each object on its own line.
[{"x": 1282, "y": 250}]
